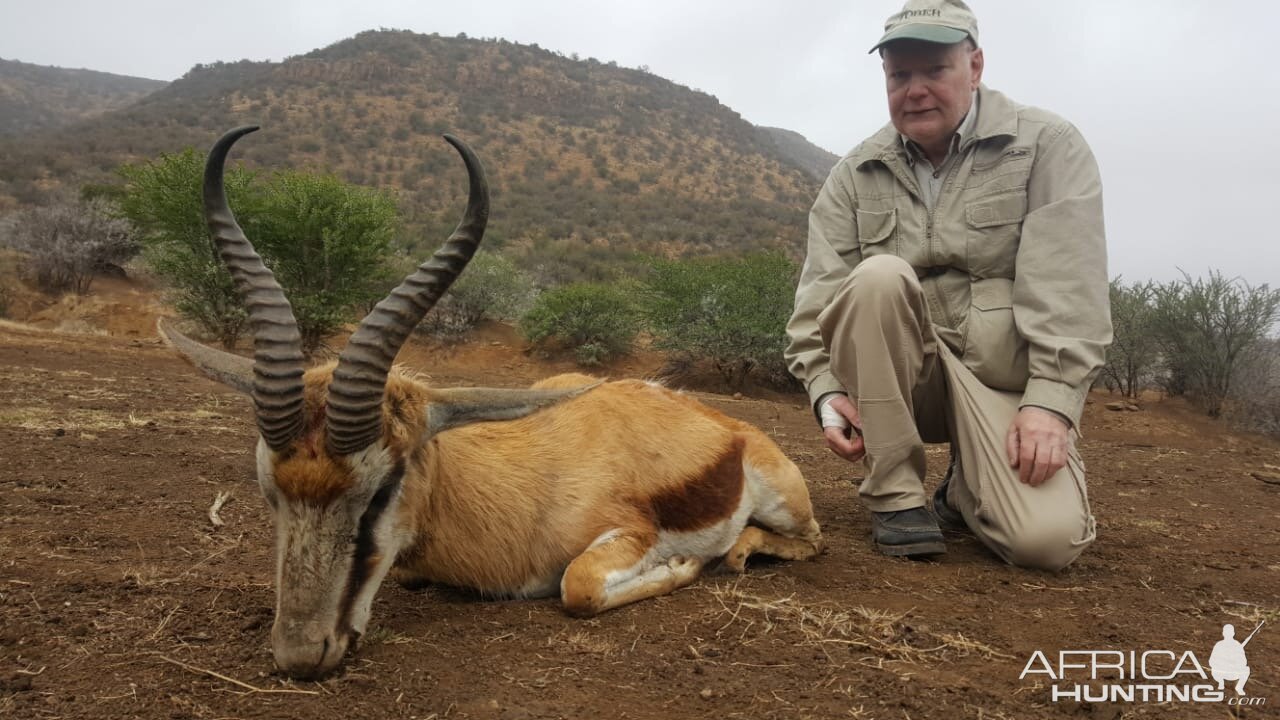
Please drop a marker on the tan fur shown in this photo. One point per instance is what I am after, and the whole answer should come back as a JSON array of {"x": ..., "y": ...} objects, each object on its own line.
[{"x": 495, "y": 504}]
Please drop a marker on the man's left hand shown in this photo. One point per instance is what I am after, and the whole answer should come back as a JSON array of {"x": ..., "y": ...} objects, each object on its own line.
[{"x": 1037, "y": 444}]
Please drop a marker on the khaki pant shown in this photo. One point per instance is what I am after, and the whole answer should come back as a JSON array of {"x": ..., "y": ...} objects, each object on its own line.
[{"x": 910, "y": 388}]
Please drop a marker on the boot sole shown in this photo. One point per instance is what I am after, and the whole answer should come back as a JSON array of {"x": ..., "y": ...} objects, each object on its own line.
[{"x": 920, "y": 549}]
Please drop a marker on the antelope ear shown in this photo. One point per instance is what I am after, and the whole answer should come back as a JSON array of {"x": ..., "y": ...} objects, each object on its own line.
[
  {"x": 224, "y": 367},
  {"x": 454, "y": 407}
]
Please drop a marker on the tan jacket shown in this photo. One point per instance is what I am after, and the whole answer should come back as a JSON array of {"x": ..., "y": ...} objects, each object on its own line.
[{"x": 1012, "y": 259}]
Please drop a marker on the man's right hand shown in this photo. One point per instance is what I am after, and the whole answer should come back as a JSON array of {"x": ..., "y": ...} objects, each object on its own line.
[{"x": 844, "y": 438}]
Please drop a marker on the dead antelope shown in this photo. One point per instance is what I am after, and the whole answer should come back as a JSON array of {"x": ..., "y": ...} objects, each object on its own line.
[{"x": 606, "y": 493}]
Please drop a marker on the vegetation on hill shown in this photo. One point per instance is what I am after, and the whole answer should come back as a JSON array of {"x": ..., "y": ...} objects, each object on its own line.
[
  {"x": 815, "y": 160},
  {"x": 587, "y": 160},
  {"x": 37, "y": 97}
]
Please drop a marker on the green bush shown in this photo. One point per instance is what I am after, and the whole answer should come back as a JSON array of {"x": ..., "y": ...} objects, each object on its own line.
[
  {"x": 491, "y": 287},
  {"x": 594, "y": 320},
  {"x": 162, "y": 199},
  {"x": 731, "y": 312},
  {"x": 328, "y": 244},
  {"x": 326, "y": 241}
]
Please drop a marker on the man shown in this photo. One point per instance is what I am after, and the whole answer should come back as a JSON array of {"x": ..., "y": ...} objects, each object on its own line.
[{"x": 955, "y": 290}]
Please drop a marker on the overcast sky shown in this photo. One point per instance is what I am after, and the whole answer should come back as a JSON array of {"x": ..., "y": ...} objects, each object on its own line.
[{"x": 1180, "y": 99}]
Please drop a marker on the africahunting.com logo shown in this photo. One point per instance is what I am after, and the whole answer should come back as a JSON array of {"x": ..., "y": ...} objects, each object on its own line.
[{"x": 1156, "y": 676}]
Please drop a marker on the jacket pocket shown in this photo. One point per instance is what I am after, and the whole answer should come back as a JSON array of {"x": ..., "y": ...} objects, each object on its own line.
[
  {"x": 993, "y": 349},
  {"x": 994, "y": 228},
  {"x": 874, "y": 229}
]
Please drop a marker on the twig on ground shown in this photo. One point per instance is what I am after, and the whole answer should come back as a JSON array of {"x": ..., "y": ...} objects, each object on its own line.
[
  {"x": 220, "y": 500},
  {"x": 234, "y": 681}
]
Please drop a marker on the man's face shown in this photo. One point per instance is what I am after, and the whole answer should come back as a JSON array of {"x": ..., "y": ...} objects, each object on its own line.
[{"x": 930, "y": 88}]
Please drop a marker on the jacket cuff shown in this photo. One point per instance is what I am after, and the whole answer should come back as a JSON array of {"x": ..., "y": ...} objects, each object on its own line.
[
  {"x": 1061, "y": 398},
  {"x": 820, "y": 385}
]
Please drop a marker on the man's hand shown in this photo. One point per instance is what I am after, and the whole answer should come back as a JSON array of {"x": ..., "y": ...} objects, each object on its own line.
[
  {"x": 840, "y": 439},
  {"x": 1037, "y": 444}
]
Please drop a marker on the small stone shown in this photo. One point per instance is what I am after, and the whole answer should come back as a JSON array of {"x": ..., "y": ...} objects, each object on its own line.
[
  {"x": 706, "y": 693},
  {"x": 1117, "y": 406}
]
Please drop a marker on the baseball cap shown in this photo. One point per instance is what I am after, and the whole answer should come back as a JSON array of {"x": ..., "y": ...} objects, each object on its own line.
[{"x": 936, "y": 21}]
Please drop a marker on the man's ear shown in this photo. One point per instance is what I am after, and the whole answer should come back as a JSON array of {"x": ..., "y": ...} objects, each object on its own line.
[{"x": 976, "y": 63}]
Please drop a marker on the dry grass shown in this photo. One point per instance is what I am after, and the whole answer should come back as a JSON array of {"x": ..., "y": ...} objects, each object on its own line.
[
  {"x": 383, "y": 635},
  {"x": 86, "y": 420},
  {"x": 885, "y": 634},
  {"x": 584, "y": 643}
]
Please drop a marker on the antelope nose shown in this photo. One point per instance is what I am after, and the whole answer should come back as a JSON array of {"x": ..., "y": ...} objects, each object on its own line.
[{"x": 307, "y": 655}]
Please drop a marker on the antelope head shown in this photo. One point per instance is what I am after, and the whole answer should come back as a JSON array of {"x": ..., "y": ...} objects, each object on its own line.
[{"x": 333, "y": 452}]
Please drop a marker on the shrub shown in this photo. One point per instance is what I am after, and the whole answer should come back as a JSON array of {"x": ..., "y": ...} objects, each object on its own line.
[
  {"x": 162, "y": 199},
  {"x": 1205, "y": 326},
  {"x": 1135, "y": 351},
  {"x": 596, "y": 321},
  {"x": 68, "y": 242},
  {"x": 327, "y": 242},
  {"x": 1254, "y": 401},
  {"x": 731, "y": 312},
  {"x": 492, "y": 287}
]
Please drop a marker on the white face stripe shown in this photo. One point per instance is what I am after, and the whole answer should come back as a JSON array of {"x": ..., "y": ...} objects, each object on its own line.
[{"x": 389, "y": 538}]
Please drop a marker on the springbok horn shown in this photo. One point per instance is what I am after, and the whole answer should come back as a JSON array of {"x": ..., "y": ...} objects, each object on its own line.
[
  {"x": 277, "y": 344},
  {"x": 354, "y": 413}
]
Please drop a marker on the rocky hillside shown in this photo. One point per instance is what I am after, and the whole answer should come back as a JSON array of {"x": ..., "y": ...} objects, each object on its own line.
[
  {"x": 37, "y": 97},
  {"x": 586, "y": 158}
]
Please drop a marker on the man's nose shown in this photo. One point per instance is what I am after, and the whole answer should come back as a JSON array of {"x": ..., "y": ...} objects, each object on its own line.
[{"x": 917, "y": 89}]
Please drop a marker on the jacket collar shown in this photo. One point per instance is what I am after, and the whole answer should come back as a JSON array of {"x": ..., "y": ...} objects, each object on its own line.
[{"x": 997, "y": 117}]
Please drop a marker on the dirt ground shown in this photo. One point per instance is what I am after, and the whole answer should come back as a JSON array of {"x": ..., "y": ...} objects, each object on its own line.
[{"x": 119, "y": 598}]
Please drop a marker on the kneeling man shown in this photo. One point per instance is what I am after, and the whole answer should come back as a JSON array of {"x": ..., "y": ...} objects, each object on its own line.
[{"x": 955, "y": 290}]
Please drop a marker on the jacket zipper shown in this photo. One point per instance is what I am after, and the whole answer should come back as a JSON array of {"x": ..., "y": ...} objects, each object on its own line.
[{"x": 929, "y": 236}]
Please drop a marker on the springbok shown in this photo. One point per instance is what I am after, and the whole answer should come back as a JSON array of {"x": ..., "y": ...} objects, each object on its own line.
[{"x": 605, "y": 492}]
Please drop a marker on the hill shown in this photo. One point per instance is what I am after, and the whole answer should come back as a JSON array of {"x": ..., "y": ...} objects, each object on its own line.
[
  {"x": 587, "y": 160},
  {"x": 813, "y": 159},
  {"x": 38, "y": 97}
]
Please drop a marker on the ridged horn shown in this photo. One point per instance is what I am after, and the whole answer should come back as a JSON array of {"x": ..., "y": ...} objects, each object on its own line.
[
  {"x": 277, "y": 344},
  {"x": 354, "y": 413}
]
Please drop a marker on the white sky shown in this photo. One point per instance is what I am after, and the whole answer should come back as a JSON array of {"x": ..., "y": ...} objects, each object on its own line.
[{"x": 1179, "y": 98}]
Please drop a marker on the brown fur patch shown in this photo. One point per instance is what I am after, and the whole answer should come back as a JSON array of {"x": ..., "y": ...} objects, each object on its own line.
[
  {"x": 312, "y": 477},
  {"x": 706, "y": 498}
]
